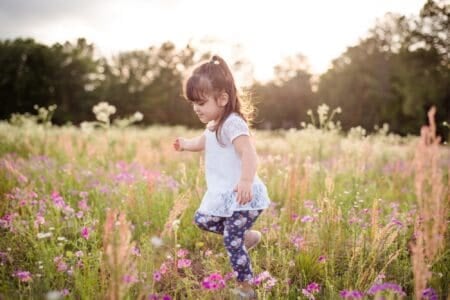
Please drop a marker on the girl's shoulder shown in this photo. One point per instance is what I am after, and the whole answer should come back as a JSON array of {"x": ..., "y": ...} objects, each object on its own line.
[
  {"x": 235, "y": 126},
  {"x": 234, "y": 118}
]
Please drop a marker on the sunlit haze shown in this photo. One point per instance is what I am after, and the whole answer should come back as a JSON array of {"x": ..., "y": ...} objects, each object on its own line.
[{"x": 262, "y": 32}]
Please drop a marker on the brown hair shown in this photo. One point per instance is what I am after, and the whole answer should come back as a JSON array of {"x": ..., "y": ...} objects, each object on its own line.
[{"x": 212, "y": 78}]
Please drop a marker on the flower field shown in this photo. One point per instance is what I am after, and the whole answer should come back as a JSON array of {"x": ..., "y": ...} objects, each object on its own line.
[{"x": 108, "y": 213}]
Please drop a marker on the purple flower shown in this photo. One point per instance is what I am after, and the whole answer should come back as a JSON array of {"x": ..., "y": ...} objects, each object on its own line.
[
  {"x": 85, "y": 232},
  {"x": 313, "y": 287},
  {"x": 388, "y": 286},
  {"x": 307, "y": 219},
  {"x": 215, "y": 281},
  {"x": 430, "y": 294},
  {"x": 157, "y": 276},
  {"x": 129, "y": 279},
  {"x": 23, "y": 276},
  {"x": 184, "y": 263},
  {"x": 351, "y": 294},
  {"x": 322, "y": 259},
  {"x": 58, "y": 201}
]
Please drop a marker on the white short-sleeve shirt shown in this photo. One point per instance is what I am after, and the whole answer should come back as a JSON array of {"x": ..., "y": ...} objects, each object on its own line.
[{"x": 223, "y": 172}]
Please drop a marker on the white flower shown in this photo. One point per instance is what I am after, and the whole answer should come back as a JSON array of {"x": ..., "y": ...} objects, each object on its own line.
[
  {"x": 176, "y": 224},
  {"x": 43, "y": 235},
  {"x": 53, "y": 295},
  {"x": 138, "y": 116},
  {"x": 156, "y": 241}
]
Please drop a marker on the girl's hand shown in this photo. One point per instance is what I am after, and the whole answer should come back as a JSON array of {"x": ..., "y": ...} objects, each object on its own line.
[
  {"x": 244, "y": 192},
  {"x": 178, "y": 144}
]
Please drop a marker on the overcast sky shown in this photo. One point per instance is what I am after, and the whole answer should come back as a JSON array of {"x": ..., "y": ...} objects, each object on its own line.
[{"x": 267, "y": 30}]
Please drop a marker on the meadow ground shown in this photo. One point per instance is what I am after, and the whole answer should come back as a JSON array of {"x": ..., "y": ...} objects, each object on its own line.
[{"x": 108, "y": 213}]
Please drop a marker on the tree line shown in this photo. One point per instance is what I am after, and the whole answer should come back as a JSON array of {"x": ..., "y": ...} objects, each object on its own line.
[{"x": 394, "y": 75}]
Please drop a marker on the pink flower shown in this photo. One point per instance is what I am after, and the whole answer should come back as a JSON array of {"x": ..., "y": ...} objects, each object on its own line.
[
  {"x": 163, "y": 269},
  {"x": 266, "y": 279},
  {"x": 322, "y": 258},
  {"x": 215, "y": 281},
  {"x": 65, "y": 292},
  {"x": 85, "y": 232},
  {"x": 58, "y": 201},
  {"x": 136, "y": 251},
  {"x": 129, "y": 279},
  {"x": 298, "y": 241},
  {"x": 23, "y": 276},
  {"x": 184, "y": 263},
  {"x": 82, "y": 204},
  {"x": 61, "y": 266},
  {"x": 313, "y": 288},
  {"x": 39, "y": 220},
  {"x": 306, "y": 219},
  {"x": 182, "y": 253},
  {"x": 157, "y": 276}
]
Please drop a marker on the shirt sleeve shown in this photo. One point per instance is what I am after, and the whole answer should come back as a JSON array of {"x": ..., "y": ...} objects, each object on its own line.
[{"x": 235, "y": 126}]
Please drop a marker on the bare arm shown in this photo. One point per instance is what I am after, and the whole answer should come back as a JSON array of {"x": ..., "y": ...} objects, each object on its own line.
[
  {"x": 249, "y": 163},
  {"x": 194, "y": 145}
]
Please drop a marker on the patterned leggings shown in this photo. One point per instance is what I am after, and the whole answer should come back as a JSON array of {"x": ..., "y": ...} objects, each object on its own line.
[{"x": 233, "y": 229}]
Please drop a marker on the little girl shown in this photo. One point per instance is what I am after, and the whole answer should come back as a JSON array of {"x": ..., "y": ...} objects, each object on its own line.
[{"x": 235, "y": 195}]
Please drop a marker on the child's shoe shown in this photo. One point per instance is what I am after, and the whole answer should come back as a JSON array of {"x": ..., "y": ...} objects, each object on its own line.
[
  {"x": 240, "y": 293},
  {"x": 251, "y": 239}
]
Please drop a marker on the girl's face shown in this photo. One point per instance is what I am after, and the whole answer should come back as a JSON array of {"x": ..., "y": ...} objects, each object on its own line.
[{"x": 210, "y": 109}]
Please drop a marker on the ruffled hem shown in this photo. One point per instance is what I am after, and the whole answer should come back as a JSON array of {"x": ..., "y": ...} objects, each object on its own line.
[{"x": 227, "y": 204}]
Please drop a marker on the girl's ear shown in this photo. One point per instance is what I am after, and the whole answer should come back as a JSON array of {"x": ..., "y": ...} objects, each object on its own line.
[{"x": 223, "y": 99}]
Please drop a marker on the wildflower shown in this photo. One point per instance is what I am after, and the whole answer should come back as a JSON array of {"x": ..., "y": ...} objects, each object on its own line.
[
  {"x": 156, "y": 241},
  {"x": 322, "y": 259},
  {"x": 82, "y": 204},
  {"x": 85, "y": 232},
  {"x": 306, "y": 219},
  {"x": 136, "y": 251},
  {"x": 294, "y": 217},
  {"x": 163, "y": 269},
  {"x": 309, "y": 204},
  {"x": 43, "y": 235},
  {"x": 429, "y": 294},
  {"x": 313, "y": 288},
  {"x": 175, "y": 224},
  {"x": 298, "y": 241},
  {"x": 61, "y": 266},
  {"x": 58, "y": 200},
  {"x": 213, "y": 282},
  {"x": 351, "y": 295},
  {"x": 53, "y": 295},
  {"x": 388, "y": 286},
  {"x": 138, "y": 116},
  {"x": 270, "y": 283},
  {"x": 182, "y": 253},
  {"x": 39, "y": 220},
  {"x": 184, "y": 263},
  {"x": 23, "y": 276},
  {"x": 129, "y": 279},
  {"x": 157, "y": 276},
  {"x": 79, "y": 253},
  {"x": 397, "y": 222}
]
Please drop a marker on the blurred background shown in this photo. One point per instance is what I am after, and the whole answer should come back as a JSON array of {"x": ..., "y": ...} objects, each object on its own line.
[{"x": 379, "y": 61}]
